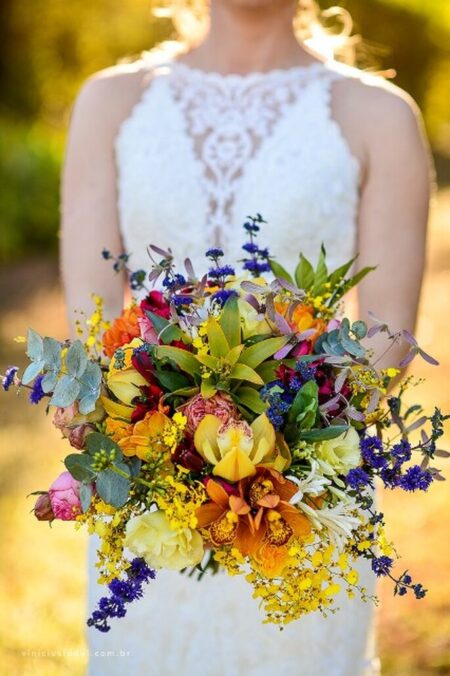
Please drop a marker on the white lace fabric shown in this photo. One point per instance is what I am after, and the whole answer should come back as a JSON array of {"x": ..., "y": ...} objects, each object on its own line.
[{"x": 197, "y": 154}]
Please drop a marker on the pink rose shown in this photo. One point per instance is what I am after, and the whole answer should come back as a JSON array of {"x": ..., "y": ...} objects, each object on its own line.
[
  {"x": 43, "y": 508},
  {"x": 65, "y": 497},
  {"x": 219, "y": 404}
]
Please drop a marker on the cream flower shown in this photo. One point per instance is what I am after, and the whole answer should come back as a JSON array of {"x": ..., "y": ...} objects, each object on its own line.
[
  {"x": 339, "y": 455},
  {"x": 149, "y": 535}
]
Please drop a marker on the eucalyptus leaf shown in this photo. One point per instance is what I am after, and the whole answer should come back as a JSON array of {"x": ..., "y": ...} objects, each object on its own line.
[
  {"x": 76, "y": 359},
  {"x": 85, "y": 496},
  {"x": 80, "y": 466},
  {"x": 49, "y": 381},
  {"x": 96, "y": 442},
  {"x": 112, "y": 487},
  {"x": 51, "y": 354},
  {"x": 32, "y": 370},
  {"x": 66, "y": 392},
  {"x": 35, "y": 346}
]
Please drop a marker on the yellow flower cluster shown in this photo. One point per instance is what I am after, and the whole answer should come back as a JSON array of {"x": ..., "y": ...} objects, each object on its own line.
[
  {"x": 313, "y": 575},
  {"x": 231, "y": 559},
  {"x": 174, "y": 430},
  {"x": 95, "y": 324},
  {"x": 110, "y": 525},
  {"x": 199, "y": 343},
  {"x": 180, "y": 501}
]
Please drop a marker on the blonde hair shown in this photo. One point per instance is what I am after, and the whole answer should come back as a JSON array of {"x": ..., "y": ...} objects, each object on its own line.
[{"x": 328, "y": 32}]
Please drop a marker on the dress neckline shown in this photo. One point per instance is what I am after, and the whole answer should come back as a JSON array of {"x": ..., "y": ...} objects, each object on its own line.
[{"x": 283, "y": 74}]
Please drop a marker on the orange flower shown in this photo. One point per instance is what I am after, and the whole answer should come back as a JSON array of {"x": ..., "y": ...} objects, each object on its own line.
[
  {"x": 260, "y": 514},
  {"x": 118, "y": 429},
  {"x": 146, "y": 436},
  {"x": 302, "y": 319},
  {"x": 123, "y": 330}
]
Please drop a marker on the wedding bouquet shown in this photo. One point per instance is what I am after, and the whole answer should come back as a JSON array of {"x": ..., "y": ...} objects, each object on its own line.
[{"x": 235, "y": 422}]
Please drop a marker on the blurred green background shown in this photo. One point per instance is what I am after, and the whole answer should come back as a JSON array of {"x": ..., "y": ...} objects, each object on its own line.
[{"x": 47, "y": 49}]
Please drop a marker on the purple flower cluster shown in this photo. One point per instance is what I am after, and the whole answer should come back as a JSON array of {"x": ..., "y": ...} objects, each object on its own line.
[
  {"x": 381, "y": 565},
  {"x": 37, "y": 393},
  {"x": 122, "y": 592},
  {"x": 279, "y": 401},
  {"x": 259, "y": 258},
  {"x": 357, "y": 479},
  {"x": 9, "y": 376}
]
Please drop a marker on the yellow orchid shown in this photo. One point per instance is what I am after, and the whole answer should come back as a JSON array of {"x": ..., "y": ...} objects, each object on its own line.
[
  {"x": 125, "y": 385},
  {"x": 235, "y": 448}
]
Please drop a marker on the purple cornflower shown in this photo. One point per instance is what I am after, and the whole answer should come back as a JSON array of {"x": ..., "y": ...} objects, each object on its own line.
[
  {"x": 223, "y": 295},
  {"x": 358, "y": 478},
  {"x": 37, "y": 393},
  {"x": 181, "y": 299},
  {"x": 221, "y": 271},
  {"x": 305, "y": 371},
  {"x": 401, "y": 452},
  {"x": 122, "y": 592},
  {"x": 390, "y": 477},
  {"x": 9, "y": 376},
  {"x": 214, "y": 253},
  {"x": 256, "y": 266},
  {"x": 372, "y": 452},
  {"x": 382, "y": 565},
  {"x": 415, "y": 479}
]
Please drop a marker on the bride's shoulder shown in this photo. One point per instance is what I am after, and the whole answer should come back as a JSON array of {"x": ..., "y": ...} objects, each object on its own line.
[
  {"x": 372, "y": 101},
  {"x": 109, "y": 94}
]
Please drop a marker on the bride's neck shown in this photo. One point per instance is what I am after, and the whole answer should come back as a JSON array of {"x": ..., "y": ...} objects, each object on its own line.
[{"x": 241, "y": 40}]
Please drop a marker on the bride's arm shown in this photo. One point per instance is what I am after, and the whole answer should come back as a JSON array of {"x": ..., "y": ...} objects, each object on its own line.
[
  {"x": 393, "y": 212},
  {"x": 89, "y": 218}
]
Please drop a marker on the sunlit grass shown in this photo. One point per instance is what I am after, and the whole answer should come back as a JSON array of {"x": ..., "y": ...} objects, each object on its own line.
[{"x": 44, "y": 569}]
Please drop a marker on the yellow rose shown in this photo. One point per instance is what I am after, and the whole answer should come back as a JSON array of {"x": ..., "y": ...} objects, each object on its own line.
[
  {"x": 149, "y": 535},
  {"x": 342, "y": 453}
]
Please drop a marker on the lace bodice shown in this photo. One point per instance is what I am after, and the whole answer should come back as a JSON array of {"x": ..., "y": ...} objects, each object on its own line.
[
  {"x": 197, "y": 154},
  {"x": 201, "y": 151}
]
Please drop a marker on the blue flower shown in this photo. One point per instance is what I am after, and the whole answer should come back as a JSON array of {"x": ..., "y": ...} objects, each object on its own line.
[
  {"x": 372, "y": 452},
  {"x": 251, "y": 227},
  {"x": 122, "y": 592},
  {"x": 279, "y": 402},
  {"x": 137, "y": 279},
  {"x": 401, "y": 452},
  {"x": 305, "y": 371},
  {"x": 223, "y": 295},
  {"x": 382, "y": 565},
  {"x": 415, "y": 479},
  {"x": 221, "y": 271},
  {"x": 106, "y": 254},
  {"x": 250, "y": 247},
  {"x": 358, "y": 478},
  {"x": 214, "y": 253},
  {"x": 390, "y": 477},
  {"x": 419, "y": 591},
  {"x": 9, "y": 376},
  {"x": 256, "y": 266},
  {"x": 181, "y": 299},
  {"x": 37, "y": 393}
]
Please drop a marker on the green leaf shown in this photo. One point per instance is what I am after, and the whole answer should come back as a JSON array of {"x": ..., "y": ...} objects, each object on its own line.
[
  {"x": 85, "y": 496},
  {"x": 243, "y": 372},
  {"x": 280, "y": 272},
  {"x": 207, "y": 388},
  {"x": 230, "y": 321},
  {"x": 165, "y": 330},
  {"x": 208, "y": 360},
  {"x": 255, "y": 354},
  {"x": 171, "y": 380},
  {"x": 96, "y": 442},
  {"x": 218, "y": 343},
  {"x": 183, "y": 359},
  {"x": 337, "y": 275},
  {"x": 234, "y": 354},
  {"x": 304, "y": 274},
  {"x": 324, "y": 434},
  {"x": 250, "y": 398},
  {"x": 321, "y": 273},
  {"x": 35, "y": 346},
  {"x": 303, "y": 411},
  {"x": 112, "y": 487},
  {"x": 32, "y": 370},
  {"x": 66, "y": 391},
  {"x": 76, "y": 359},
  {"x": 80, "y": 466},
  {"x": 267, "y": 370},
  {"x": 51, "y": 354}
]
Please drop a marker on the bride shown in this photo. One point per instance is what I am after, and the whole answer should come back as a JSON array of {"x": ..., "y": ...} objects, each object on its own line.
[{"x": 177, "y": 153}]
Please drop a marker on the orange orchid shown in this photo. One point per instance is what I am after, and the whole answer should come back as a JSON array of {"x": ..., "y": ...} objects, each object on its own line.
[
  {"x": 123, "y": 330},
  {"x": 258, "y": 515},
  {"x": 146, "y": 435}
]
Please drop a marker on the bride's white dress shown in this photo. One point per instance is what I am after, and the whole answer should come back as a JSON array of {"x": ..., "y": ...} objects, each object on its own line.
[{"x": 197, "y": 154}]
